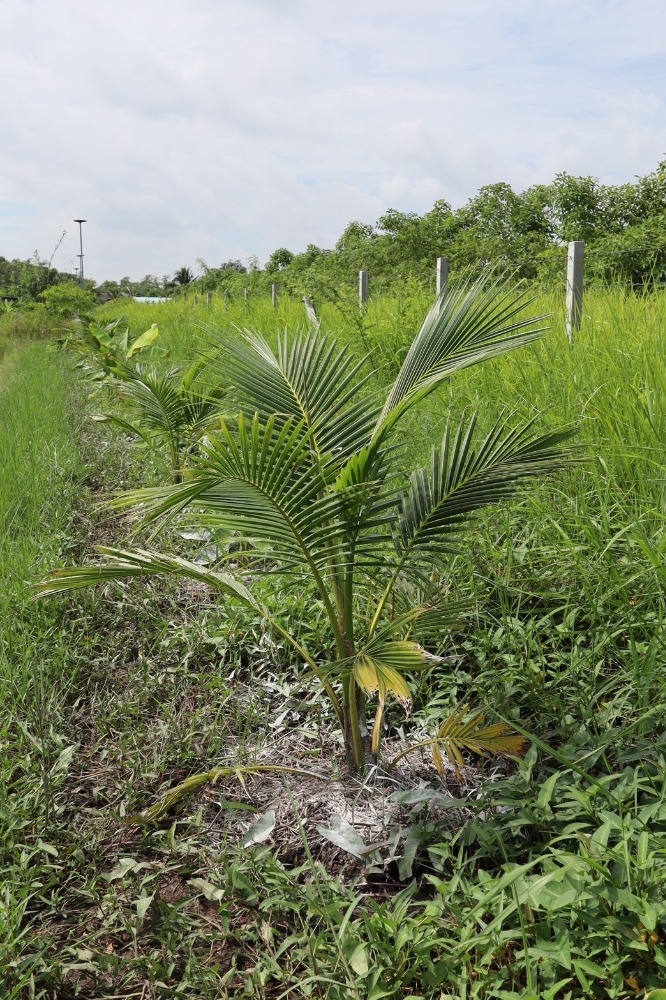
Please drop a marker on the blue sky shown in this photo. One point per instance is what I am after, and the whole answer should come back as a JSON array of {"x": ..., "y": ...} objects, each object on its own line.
[{"x": 226, "y": 128}]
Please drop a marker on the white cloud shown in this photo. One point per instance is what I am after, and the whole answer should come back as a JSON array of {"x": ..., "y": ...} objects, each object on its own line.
[{"x": 223, "y": 129}]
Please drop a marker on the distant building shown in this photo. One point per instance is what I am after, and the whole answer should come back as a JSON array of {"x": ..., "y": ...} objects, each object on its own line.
[{"x": 151, "y": 299}]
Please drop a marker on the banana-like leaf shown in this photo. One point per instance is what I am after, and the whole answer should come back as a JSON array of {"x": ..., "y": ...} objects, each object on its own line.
[
  {"x": 122, "y": 564},
  {"x": 145, "y": 340},
  {"x": 468, "y": 325}
]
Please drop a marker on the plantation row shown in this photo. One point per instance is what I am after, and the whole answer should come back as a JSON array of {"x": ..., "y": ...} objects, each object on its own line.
[{"x": 242, "y": 702}]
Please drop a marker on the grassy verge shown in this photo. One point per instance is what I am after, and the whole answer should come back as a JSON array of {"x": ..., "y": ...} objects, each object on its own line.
[{"x": 41, "y": 464}]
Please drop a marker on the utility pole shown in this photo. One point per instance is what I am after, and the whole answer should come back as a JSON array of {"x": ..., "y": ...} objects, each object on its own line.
[{"x": 80, "y": 255}]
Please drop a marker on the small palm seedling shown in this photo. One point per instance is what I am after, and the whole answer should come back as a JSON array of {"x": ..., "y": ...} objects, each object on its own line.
[
  {"x": 306, "y": 478},
  {"x": 168, "y": 411}
]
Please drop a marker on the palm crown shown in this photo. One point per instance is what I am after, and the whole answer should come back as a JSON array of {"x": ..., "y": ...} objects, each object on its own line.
[{"x": 305, "y": 477}]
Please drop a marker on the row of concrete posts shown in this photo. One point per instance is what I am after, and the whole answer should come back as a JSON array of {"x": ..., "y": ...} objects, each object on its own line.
[{"x": 574, "y": 299}]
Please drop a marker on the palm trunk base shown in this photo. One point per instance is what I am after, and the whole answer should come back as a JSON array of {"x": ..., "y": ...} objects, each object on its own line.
[{"x": 354, "y": 767}]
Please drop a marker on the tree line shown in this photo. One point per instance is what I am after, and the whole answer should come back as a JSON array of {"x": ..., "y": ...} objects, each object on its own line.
[{"x": 623, "y": 226}]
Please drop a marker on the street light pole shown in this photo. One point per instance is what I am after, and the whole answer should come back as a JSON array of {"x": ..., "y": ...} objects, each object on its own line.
[{"x": 80, "y": 255}]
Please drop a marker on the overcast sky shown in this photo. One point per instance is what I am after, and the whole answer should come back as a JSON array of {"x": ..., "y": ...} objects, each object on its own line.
[{"x": 226, "y": 128}]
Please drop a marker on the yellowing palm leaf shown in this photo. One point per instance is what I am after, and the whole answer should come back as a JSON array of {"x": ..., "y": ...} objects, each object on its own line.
[
  {"x": 377, "y": 670},
  {"x": 458, "y": 733}
]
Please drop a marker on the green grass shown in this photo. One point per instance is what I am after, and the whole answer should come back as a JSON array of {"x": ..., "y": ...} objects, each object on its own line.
[
  {"x": 555, "y": 885},
  {"x": 40, "y": 461}
]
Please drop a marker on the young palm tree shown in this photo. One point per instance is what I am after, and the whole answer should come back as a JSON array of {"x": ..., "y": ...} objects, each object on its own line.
[
  {"x": 169, "y": 411},
  {"x": 305, "y": 476}
]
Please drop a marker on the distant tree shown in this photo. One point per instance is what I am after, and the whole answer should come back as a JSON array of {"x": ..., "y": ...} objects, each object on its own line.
[
  {"x": 622, "y": 226},
  {"x": 356, "y": 235},
  {"x": 577, "y": 208},
  {"x": 313, "y": 252},
  {"x": 408, "y": 242},
  {"x": 26, "y": 279},
  {"x": 149, "y": 285},
  {"x": 650, "y": 195},
  {"x": 635, "y": 257},
  {"x": 395, "y": 222},
  {"x": 183, "y": 276},
  {"x": 279, "y": 259},
  {"x": 108, "y": 290},
  {"x": 233, "y": 265},
  {"x": 499, "y": 226}
]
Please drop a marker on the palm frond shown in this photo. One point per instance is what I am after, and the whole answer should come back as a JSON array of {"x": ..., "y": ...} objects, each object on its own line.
[
  {"x": 368, "y": 507},
  {"x": 259, "y": 482},
  {"x": 131, "y": 428},
  {"x": 168, "y": 401},
  {"x": 124, "y": 564},
  {"x": 156, "y": 398},
  {"x": 469, "y": 325},
  {"x": 423, "y": 619},
  {"x": 378, "y": 669},
  {"x": 309, "y": 379},
  {"x": 458, "y": 733},
  {"x": 463, "y": 478},
  {"x": 383, "y": 653}
]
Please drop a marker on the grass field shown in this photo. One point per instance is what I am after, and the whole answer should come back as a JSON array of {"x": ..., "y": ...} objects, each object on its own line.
[{"x": 545, "y": 879}]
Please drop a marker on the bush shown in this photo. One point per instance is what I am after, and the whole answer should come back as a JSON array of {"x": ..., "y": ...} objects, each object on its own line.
[{"x": 67, "y": 300}]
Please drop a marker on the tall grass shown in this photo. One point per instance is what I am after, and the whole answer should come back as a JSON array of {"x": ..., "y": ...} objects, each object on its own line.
[
  {"x": 39, "y": 457},
  {"x": 41, "y": 466},
  {"x": 611, "y": 380}
]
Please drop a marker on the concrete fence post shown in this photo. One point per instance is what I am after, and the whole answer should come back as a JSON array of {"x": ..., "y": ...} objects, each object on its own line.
[
  {"x": 575, "y": 274},
  {"x": 442, "y": 275},
  {"x": 362, "y": 287},
  {"x": 275, "y": 290},
  {"x": 311, "y": 311}
]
